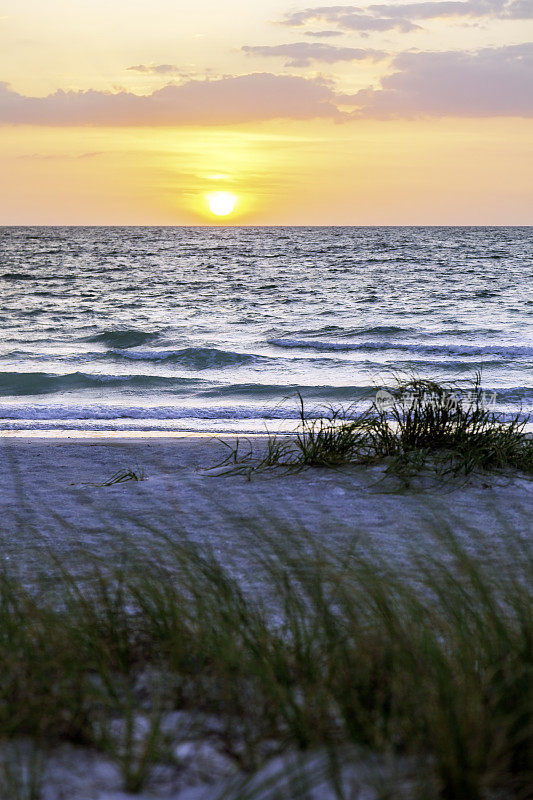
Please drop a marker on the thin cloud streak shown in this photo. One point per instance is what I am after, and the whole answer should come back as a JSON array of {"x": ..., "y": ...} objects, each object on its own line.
[
  {"x": 348, "y": 18},
  {"x": 157, "y": 69},
  {"x": 303, "y": 54},
  {"x": 59, "y": 156},
  {"x": 323, "y": 34}
]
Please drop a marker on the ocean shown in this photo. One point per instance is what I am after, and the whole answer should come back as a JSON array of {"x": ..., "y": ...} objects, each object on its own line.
[{"x": 219, "y": 329}]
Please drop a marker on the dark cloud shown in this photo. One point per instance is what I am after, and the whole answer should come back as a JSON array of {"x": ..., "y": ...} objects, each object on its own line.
[
  {"x": 491, "y": 82},
  {"x": 402, "y": 16},
  {"x": 244, "y": 98},
  {"x": 302, "y": 54}
]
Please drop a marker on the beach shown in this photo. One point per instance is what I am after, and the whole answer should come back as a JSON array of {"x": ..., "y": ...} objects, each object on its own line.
[
  {"x": 49, "y": 496},
  {"x": 56, "y": 512}
]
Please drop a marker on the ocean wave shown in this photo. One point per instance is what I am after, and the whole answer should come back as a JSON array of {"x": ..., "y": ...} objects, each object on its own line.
[
  {"x": 515, "y": 400},
  {"x": 377, "y": 330},
  {"x": 463, "y": 332},
  {"x": 123, "y": 339},
  {"x": 415, "y": 365},
  {"x": 37, "y": 383},
  {"x": 17, "y": 276},
  {"x": 95, "y": 413},
  {"x": 385, "y": 330},
  {"x": 382, "y": 330},
  {"x": 290, "y": 391},
  {"x": 29, "y": 276},
  {"x": 503, "y": 351},
  {"x": 192, "y": 357}
]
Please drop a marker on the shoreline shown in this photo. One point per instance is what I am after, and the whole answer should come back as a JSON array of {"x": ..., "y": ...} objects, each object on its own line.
[
  {"x": 158, "y": 435},
  {"x": 81, "y": 435}
]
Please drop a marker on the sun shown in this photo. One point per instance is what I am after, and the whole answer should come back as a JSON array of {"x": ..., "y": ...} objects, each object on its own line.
[{"x": 221, "y": 203}]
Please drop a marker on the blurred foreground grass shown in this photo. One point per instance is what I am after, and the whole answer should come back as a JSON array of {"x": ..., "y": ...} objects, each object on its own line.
[{"x": 351, "y": 660}]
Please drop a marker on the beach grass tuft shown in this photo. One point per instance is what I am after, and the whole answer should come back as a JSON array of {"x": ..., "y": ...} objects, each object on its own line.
[
  {"x": 124, "y": 475},
  {"x": 417, "y": 424}
]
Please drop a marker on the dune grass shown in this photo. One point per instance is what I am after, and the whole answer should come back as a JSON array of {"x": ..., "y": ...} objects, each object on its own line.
[
  {"x": 418, "y": 424},
  {"x": 341, "y": 656},
  {"x": 124, "y": 475}
]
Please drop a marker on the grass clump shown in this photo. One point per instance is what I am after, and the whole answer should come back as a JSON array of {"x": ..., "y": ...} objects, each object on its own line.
[
  {"x": 349, "y": 656},
  {"x": 452, "y": 424},
  {"x": 417, "y": 424},
  {"x": 124, "y": 475},
  {"x": 120, "y": 476}
]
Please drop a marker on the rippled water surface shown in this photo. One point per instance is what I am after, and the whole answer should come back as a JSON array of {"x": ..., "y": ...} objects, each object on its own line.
[{"x": 218, "y": 329}]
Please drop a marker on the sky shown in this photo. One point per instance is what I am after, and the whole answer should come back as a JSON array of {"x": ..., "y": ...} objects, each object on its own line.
[{"x": 137, "y": 112}]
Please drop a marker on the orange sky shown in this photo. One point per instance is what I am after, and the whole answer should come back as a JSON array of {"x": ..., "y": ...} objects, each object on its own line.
[{"x": 399, "y": 113}]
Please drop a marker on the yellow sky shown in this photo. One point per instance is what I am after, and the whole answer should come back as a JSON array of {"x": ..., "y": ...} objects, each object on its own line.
[{"x": 303, "y": 135}]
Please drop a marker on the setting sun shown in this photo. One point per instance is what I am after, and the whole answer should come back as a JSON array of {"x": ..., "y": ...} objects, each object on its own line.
[{"x": 221, "y": 203}]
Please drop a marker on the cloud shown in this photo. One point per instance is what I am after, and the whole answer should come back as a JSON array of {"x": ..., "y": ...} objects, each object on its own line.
[
  {"x": 60, "y": 156},
  {"x": 244, "y": 98},
  {"x": 91, "y": 154},
  {"x": 491, "y": 82},
  {"x": 302, "y": 54},
  {"x": 323, "y": 34},
  {"x": 500, "y": 9},
  {"x": 157, "y": 69},
  {"x": 348, "y": 18},
  {"x": 401, "y": 16},
  {"x": 520, "y": 9},
  {"x": 488, "y": 83}
]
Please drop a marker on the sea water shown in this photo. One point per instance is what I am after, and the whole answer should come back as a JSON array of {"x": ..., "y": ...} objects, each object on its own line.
[{"x": 219, "y": 329}]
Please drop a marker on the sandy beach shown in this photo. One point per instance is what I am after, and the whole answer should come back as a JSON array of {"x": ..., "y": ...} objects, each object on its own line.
[
  {"x": 48, "y": 497},
  {"x": 51, "y": 501}
]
